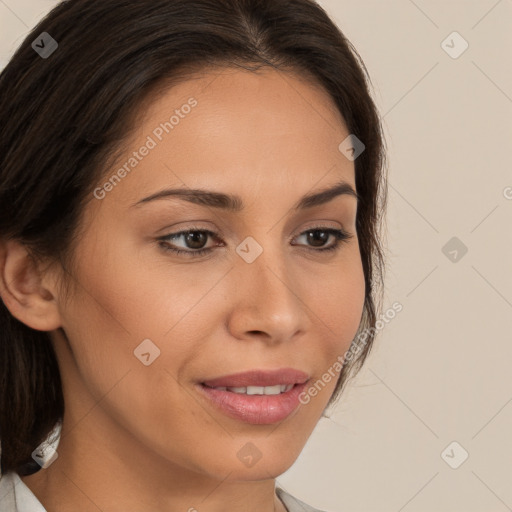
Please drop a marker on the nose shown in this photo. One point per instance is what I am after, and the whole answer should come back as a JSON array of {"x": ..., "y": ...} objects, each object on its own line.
[{"x": 267, "y": 301}]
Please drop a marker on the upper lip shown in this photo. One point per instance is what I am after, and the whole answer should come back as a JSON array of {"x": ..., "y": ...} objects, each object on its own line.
[{"x": 259, "y": 378}]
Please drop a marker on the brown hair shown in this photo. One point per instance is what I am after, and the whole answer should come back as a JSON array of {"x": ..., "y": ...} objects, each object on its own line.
[{"x": 64, "y": 116}]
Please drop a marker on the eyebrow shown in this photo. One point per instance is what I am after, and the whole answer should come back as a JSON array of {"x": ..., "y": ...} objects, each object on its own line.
[{"x": 234, "y": 203}]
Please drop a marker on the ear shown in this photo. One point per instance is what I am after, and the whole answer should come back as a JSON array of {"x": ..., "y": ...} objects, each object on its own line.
[{"x": 25, "y": 290}]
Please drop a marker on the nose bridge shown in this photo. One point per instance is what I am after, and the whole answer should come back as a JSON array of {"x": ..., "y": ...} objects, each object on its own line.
[
  {"x": 263, "y": 262},
  {"x": 264, "y": 286}
]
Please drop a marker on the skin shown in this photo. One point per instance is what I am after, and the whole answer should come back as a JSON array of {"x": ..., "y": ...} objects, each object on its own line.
[{"x": 138, "y": 437}]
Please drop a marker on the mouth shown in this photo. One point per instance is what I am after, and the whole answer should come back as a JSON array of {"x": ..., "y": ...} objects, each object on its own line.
[
  {"x": 258, "y": 396},
  {"x": 255, "y": 390}
]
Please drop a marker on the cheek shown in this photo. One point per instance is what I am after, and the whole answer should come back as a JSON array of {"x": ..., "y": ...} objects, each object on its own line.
[
  {"x": 124, "y": 305},
  {"x": 343, "y": 305},
  {"x": 125, "y": 296},
  {"x": 131, "y": 297},
  {"x": 340, "y": 300},
  {"x": 126, "y": 300}
]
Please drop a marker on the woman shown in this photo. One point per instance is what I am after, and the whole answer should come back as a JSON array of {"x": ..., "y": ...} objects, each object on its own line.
[{"x": 190, "y": 198}]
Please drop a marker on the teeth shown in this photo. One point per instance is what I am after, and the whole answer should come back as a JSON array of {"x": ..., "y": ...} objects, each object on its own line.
[
  {"x": 271, "y": 390},
  {"x": 259, "y": 390},
  {"x": 255, "y": 390},
  {"x": 238, "y": 390}
]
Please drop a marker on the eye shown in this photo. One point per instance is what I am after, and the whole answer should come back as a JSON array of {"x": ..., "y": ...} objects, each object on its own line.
[
  {"x": 195, "y": 240},
  {"x": 312, "y": 236}
]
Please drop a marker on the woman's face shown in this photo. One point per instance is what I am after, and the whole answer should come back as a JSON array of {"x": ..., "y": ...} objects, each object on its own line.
[{"x": 147, "y": 327}]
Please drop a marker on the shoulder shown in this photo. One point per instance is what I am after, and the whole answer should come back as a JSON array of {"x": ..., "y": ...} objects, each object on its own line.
[
  {"x": 293, "y": 504},
  {"x": 15, "y": 496}
]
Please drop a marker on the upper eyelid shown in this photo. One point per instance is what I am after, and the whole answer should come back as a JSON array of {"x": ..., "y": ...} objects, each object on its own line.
[{"x": 213, "y": 234}]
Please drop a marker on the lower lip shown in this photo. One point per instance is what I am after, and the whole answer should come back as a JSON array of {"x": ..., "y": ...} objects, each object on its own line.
[{"x": 256, "y": 409}]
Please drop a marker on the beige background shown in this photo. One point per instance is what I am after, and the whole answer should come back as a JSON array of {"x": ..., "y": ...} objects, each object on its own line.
[{"x": 441, "y": 369}]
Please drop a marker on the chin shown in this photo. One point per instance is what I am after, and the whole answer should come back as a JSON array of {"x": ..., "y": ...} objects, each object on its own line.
[
  {"x": 252, "y": 463},
  {"x": 260, "y": 471}
]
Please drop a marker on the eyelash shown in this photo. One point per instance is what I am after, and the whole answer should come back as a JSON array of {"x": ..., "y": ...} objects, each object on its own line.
[{"x": 340, "y": 235}]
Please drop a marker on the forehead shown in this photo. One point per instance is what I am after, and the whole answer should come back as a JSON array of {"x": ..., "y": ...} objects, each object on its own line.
[
  {"x": 267, "y": 131},
  {"x": 239, "y": 97}
]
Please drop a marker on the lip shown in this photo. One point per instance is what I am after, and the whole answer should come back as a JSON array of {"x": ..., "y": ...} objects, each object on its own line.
[
  {"x": 256, "y": 409},
  {"x": 259, "y": 378}
]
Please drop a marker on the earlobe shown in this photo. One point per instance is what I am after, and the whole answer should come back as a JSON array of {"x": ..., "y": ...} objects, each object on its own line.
[{"x": 22, "y": 289}]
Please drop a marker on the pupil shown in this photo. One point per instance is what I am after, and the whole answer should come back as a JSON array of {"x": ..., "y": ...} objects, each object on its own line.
[
  {"x": 193, "y": 238},
  {"x": 313, "y": 239}
]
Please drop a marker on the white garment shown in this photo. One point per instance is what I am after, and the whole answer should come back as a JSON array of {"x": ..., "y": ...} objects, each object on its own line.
[{"x": 15, "y": 496}]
